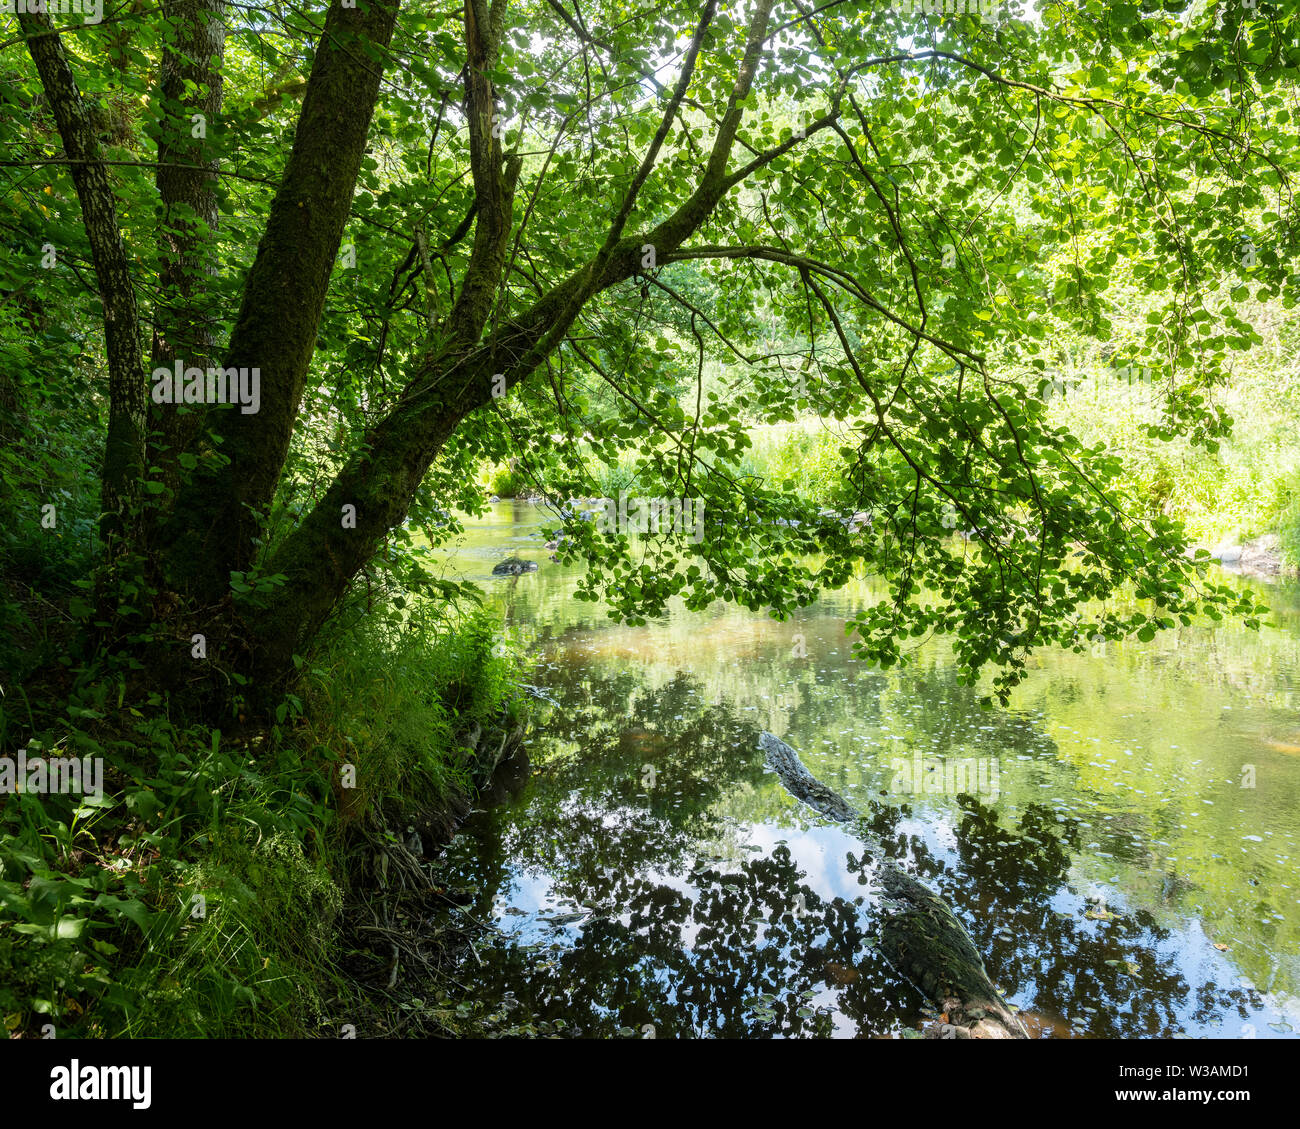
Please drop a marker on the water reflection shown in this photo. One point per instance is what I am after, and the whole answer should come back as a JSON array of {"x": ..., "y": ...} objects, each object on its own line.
[
  {"x": 644, "y": 903},
  {"x": 652, "y": 878}
]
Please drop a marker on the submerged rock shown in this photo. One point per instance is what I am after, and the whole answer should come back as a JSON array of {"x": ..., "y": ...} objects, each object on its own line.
[
  {"x": 1227, "y": 551},
  {"x": 513, "y": 566}
]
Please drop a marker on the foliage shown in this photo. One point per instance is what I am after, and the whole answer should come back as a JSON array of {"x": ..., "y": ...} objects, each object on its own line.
[
  {"x": 887, "y": 218},
  {"x": 100, "y": 930},
  {"x": 502, "y": 483},
  {"x": 613, "y": 250}
]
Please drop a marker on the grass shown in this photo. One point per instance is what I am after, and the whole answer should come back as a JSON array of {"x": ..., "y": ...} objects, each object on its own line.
[
  {"x": 205, "y": 894},
  {"x": 1250, "y": 486}
]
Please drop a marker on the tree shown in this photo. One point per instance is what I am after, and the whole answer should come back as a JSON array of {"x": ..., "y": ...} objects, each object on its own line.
[{"x": 915, "y": 197}]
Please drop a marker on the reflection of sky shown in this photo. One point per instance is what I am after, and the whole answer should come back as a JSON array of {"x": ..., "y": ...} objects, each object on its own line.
[
  {"x": 1144, "y": 745},
  {"x": 819, "y": 854}
]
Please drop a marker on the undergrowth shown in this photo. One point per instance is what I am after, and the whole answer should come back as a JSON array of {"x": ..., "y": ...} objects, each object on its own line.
[{"x": 203, "y": 893}]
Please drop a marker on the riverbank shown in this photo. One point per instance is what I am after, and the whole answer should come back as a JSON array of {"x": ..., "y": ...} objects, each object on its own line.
[
  {"x": 274, "y": 882},
  {"x": 1261, "y": 557}
]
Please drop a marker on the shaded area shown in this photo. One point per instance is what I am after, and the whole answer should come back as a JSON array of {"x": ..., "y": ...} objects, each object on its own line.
[{"x": 701, "y": 901}]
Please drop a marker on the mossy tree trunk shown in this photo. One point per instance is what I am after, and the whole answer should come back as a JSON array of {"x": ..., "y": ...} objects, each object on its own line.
[
  {"x": 216, "y": 522},
  {"x": 920, "y": 935},
  {"x": 124, "y": 451},
  {"x": 217, "y": 518},
  {"x": 191, "y": 100}
]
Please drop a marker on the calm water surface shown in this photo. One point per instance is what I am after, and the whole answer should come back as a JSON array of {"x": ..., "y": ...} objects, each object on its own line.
[{"x": 1107, "y": 852}]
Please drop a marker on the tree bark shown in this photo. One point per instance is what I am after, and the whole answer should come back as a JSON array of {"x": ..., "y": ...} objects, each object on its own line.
[
  {"x": 921, "y": 936},
  {"x": 219, "y": 513},
  {"x": 183, "y": 325},
  {"x": 494, "y": 180},
  {"x": 124, "y": 449}
]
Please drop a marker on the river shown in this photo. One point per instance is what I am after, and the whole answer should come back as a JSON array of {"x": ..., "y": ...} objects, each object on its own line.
[{"x": 1121, "y": 842}]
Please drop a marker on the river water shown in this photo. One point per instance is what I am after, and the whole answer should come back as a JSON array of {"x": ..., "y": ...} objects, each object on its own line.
[{"x": 1121, "y": 842}]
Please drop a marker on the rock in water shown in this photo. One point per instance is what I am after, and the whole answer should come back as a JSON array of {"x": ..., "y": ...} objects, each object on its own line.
[
  {"x": 513, "y": 566},
  {"x": 1227, "y": 551}
]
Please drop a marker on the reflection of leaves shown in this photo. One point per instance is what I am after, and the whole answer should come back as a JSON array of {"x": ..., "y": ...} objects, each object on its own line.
[
  {"x": 1037, "y": 858},
  {"x": 735, "y": 949},
  {"x": 1005, "y": 882},
  {"x": 738, "y": 953}
]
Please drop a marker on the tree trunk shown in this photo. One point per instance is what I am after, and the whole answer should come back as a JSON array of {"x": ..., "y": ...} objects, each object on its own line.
[
  {"x": 482, "y": 348},
  {"x": 219, "y": 513},
  {"x": 186, "y": 179},
  {"x": 921, "y": 936},
  {"x": 124, "y": 449}
]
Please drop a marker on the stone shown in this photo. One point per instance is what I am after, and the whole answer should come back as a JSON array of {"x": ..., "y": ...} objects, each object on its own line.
[{"x": 514, "y": 566}]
